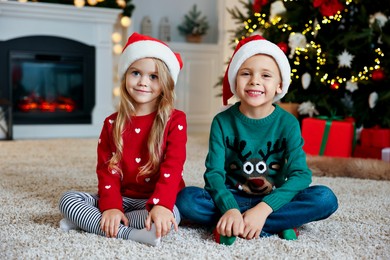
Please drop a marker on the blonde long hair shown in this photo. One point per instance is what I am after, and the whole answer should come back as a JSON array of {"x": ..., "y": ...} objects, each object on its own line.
[{"x": 165, "y": 105}]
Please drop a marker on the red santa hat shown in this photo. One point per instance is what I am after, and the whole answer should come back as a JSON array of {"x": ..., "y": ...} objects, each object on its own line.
[
  {"x": 245, "y": 49},
  {"x": 140, "y": 46}
]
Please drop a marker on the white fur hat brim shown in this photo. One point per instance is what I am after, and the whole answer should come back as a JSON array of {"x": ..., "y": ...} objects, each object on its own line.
[{"x": 146, "y": 47}]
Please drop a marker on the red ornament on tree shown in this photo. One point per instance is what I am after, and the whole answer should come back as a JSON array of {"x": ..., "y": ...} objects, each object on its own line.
[
  {"x": 378, "y": 75},
  {"x": 335, "y": 86},
  {"x": 328, "y": 7},
  {"x": 258, "y": 5},
  {"x": 283, "y": 46}
]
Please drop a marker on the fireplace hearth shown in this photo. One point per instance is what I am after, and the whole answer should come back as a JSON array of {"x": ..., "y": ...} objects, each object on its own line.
[
  {"x": 81, "y": 98},
  {"x": 51, "y": 80}
]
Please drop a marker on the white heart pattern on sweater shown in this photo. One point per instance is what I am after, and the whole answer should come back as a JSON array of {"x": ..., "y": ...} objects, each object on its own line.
[
  {"x": 155, "y": 201},
  {"x": 137, "y": 160},
  {"x": 166, "y": 175},
  {"x": 180, "y": 127},
  {"x": 137, "y": 130},
  {"x": 107, "y": 186},
  {"x": 111, "y": 121}
]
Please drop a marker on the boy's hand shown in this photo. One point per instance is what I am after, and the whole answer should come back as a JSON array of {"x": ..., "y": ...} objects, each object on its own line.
[
  {"x": 231, "y": 223},
  {"x": 162, "y": 218},
  {"x": 111, "y": 219},
  {"x": 254, "y": 220}
]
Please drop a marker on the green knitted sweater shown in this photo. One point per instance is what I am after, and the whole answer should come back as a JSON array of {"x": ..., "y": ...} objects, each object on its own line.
[{"x": 257, "y": 157}]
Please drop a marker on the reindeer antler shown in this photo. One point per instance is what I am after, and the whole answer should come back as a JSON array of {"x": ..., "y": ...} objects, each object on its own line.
[
  {"x": 276, "y": 148},
  {"x": 238, "y": 147}
]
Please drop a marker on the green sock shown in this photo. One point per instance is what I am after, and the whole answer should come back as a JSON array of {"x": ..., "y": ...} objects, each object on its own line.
[{"x": 289, "y": 234}]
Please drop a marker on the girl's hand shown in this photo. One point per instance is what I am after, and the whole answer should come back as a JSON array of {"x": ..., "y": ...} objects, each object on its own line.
[
  {"x": 254, "y": 220},
  {"x": 162, "y": 218},
  {"x": 231, "y": 223},
  {"x": 111, "y": 220}
]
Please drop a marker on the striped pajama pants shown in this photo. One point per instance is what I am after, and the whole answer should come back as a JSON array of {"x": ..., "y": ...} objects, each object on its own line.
[{"x": 81, "y": 208}]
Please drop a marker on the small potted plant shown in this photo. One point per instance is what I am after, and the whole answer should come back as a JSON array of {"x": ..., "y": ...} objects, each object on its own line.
[{"x": 194, "y": 26}]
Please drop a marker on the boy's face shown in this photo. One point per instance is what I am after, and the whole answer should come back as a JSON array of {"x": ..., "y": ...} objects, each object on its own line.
[{"x": 258, "y": 81}]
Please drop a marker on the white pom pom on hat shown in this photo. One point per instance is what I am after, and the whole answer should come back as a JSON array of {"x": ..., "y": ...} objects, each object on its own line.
[
  {"x": 141, "y": 46},
  {"x": 245, "y": 49}
]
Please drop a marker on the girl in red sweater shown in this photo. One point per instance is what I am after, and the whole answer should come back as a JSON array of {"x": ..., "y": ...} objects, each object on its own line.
[{"x": 141, "y": 152}]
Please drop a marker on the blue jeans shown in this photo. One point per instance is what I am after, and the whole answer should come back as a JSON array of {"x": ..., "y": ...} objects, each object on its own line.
[{"x": 311, "y": 204}]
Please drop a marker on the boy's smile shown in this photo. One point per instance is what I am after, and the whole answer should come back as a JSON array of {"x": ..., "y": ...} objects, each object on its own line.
[{"x": 254, "y": 93}]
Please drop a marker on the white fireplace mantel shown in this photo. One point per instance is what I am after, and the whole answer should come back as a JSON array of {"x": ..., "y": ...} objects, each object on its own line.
[{"x": 90, "y": 25}]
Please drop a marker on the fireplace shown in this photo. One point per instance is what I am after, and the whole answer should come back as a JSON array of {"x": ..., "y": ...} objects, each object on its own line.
[
  {"x": 77, "y": 96},
  {"x": 50, "y": 80}
]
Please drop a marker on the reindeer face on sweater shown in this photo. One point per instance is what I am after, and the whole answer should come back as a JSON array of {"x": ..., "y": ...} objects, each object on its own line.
[{"x": 251, "y": 175}]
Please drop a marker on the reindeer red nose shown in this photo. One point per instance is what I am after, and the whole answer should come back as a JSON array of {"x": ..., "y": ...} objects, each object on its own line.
[{"x": 257, "y": 182}]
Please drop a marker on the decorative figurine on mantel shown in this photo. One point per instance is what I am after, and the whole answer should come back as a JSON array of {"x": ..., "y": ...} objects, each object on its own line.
[
  {"x": 194, "y": 26},
  {"x": 165, "y": 30},
  {"x": 146, "y": 26}
]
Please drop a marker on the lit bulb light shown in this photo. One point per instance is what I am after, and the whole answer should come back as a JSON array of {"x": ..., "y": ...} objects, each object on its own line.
[
  {"x": 121, "y": 3},
  {"x": 125, "y": 21},
  {"x": 116, "y": 37},
  {"x": 116, "y": 91},
  {"x": 117, "y": 48},
  {"x": 92, "y": 2},
  {"x": 79, "y": 3},
  {"x": 275, "y": 20}
]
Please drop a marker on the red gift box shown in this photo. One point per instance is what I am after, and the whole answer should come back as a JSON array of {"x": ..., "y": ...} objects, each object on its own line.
[
  {"x": 333, "y": 136},
  {"x": 375, "y": 137},
  {"x": 361, "y": 151}
]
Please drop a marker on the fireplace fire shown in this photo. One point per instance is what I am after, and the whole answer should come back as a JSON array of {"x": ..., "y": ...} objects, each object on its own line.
[{"x": 52, "y": 80}]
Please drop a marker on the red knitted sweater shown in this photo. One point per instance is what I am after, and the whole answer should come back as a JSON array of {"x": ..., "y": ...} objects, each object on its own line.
[{"x": 160, "y": 188}]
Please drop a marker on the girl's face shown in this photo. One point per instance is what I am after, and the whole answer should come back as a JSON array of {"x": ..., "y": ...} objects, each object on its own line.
[
  {"x": 143, "y": 85},
  {"x": 258, "y": 81}
]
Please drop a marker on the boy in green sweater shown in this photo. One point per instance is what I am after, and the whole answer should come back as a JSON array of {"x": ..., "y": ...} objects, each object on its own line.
[{"x": 257, "y": 182}]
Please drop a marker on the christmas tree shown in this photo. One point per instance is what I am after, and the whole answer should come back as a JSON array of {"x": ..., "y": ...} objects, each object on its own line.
[
  {"x": 339, "y": 51},
  {"x": 194, "y": 23}
]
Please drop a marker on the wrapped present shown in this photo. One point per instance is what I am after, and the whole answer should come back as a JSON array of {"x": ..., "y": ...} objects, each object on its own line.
[
  {"x": 375, "y": 137},
  {"x": 328, "y": 137},
  {"x": 371, "y": 152}
]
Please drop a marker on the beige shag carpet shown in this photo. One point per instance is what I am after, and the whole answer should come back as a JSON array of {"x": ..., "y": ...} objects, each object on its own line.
[{"x": 34, "y": 174}]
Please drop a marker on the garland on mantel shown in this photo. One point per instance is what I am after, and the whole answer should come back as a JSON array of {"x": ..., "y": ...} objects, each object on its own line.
[{"x": 126, "y": 5}]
